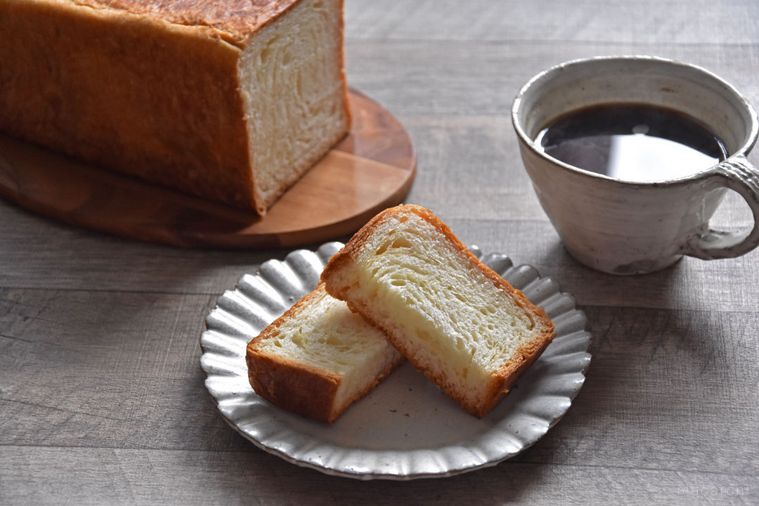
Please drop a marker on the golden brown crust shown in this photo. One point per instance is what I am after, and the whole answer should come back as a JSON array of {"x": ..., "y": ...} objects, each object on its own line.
[
  {"x": 94, "y": 102},
  {"x": 509, "y": 372},
  {"x": 298, "y": 387},
  {"x": 146, "y": 88},
  {"x": 290, "y": 386},
  {"x": 234, "y": 21},
  {"x": 305, "y": 390}
]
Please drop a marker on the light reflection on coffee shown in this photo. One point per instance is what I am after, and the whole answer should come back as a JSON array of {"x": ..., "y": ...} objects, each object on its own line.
[{"x": 632, "y": 142}]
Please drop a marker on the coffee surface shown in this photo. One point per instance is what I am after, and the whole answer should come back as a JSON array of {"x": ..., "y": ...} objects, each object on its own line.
[{"x": 632, "y": 142}]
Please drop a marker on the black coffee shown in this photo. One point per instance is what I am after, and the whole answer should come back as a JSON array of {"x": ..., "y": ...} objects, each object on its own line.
[{"x": 632, "y": 142}]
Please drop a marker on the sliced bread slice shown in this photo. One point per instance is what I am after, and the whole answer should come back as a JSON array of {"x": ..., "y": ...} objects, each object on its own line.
[
  {"x": 318, "y": 358},
  {"x": 449, "y": 314}
]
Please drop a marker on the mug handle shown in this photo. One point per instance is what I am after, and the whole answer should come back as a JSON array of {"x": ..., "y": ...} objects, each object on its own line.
[{"x": 738, "y": 174}]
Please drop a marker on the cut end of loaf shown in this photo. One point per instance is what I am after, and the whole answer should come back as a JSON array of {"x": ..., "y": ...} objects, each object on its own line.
[
  {"x": 295, "y": 95},
  {"x": 318, "y": 358},
  {"x": 229, "y": 101},
  {"x": 450, "y": 315}
]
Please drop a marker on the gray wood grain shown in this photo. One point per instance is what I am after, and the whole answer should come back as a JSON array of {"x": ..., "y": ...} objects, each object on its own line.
[
  {"x": 109, "y": 369},
  {"x": 101, "y": 394},
  {"x": 118, "y": 476},
  {"x": 669, "y": 21}
]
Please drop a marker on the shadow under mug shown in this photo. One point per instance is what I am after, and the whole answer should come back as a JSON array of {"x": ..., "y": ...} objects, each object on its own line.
[{"x": 630, "y": 227}]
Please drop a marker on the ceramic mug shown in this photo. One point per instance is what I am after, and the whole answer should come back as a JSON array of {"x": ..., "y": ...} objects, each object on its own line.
[{"x": 632, "y": 228}]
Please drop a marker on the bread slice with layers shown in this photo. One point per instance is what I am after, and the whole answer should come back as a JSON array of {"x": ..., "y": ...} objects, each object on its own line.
[
  {"x": 318, "y": 358},
  {"x": 230, "y": 100},
  {"x": 449, "y": 314}
]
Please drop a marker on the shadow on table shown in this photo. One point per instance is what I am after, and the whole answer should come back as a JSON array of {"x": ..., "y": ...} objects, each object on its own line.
[
  {"x": 233, "y": 465},
  {"x": 659, "y": 358},
  {"x": 643, "y": 318},
  {"x": 662, "y": 289},
  {"x": 649, "y": 363},
  {"x": 256, "y": 475}
]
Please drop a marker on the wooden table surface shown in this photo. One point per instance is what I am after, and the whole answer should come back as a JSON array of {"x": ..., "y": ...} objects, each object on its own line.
[{"x": 101, "y": 394}]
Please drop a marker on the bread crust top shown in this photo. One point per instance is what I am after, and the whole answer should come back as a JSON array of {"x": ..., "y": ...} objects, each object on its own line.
[{"x": 233, "y": 21}]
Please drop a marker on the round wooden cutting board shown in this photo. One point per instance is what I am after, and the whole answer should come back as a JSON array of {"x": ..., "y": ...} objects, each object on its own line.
[{"x": 372, "y": 168}]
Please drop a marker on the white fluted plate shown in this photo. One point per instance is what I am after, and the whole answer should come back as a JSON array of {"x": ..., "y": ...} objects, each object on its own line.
[{"x": 406, "y": 428}]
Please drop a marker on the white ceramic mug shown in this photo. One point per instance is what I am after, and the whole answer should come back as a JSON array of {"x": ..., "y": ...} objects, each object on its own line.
[{"x": 632, "y": 228}]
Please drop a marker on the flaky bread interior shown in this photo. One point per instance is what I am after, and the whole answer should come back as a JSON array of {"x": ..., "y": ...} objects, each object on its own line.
[
  {"x": 295, "y": 97},
  {"x": 319, "y": 357},
  {"x": 450, "y": 315}
]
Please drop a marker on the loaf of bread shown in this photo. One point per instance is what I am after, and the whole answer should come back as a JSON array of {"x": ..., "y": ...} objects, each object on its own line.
[
  {"x": 318, "y": 358},
  {"x": 450, "y": 315},
  {"x": 230, "y": 100}
]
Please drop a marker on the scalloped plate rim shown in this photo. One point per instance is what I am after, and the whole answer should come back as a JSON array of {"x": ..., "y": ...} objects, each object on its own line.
[{"x": 366, "y": 476}]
